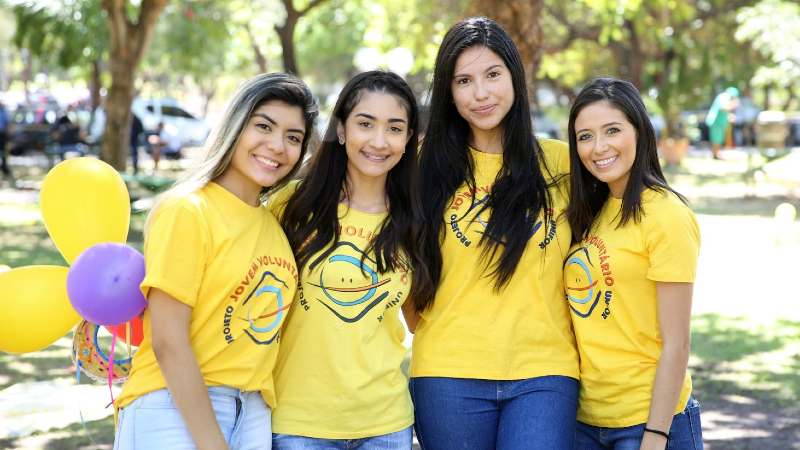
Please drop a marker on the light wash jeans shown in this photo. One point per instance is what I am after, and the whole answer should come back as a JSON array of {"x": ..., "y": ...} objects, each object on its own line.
[
  {"x": 400, "y": 440},
  {"x": 152, "y": 421}
]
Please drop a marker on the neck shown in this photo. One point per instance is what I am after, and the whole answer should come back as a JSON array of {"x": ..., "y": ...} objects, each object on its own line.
[
  {"x": 487, "y": 141},
  {"x": 247, "y": 192},
  {"x": 366, "y": 194}
]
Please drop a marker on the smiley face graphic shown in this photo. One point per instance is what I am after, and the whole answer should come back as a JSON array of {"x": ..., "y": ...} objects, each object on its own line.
[
  {"x": 349, "y": 282},
  {"x": 262, "y": 323},
  {"x": 582, "y": 290}
]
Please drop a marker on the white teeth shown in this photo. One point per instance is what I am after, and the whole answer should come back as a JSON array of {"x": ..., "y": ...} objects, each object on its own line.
[
  {"x": 607, "y": 161},
  {"x": 266, "y": 161},
  {"x": 374, "y": 158}
]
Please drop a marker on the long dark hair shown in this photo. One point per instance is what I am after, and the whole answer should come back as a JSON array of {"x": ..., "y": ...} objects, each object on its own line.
[
  {"x": 587, "y": 193},
  {"x": 520, "y": 189},
  {"x": 311, "y": 217}
]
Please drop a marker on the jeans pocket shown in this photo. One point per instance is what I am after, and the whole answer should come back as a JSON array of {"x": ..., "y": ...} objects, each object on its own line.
[{"x": 159, "y": 426}]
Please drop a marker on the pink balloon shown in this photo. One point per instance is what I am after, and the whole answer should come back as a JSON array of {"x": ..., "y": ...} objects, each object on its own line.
[{"x": 103, "y": 284}]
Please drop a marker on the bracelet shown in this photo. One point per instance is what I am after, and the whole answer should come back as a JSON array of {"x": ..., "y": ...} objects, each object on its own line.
[{"x": 666, "y": 435}]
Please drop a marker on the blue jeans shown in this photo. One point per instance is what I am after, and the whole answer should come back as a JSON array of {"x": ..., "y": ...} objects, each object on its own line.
[
  {"x": 532, "y": 414},
  {"x": 684, "y": 434},
  {"x": 152, "y": 421},
  {"x": 400, "y": 440}
]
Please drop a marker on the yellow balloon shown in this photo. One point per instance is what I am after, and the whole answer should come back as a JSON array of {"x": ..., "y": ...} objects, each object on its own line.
[
  {"x": 84, "y": 202},
  {"x": 34, "y": 308}
]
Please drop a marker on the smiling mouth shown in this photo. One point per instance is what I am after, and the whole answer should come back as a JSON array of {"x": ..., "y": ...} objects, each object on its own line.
[
  {"x": 605, "y": 162},
  {"x": 483, "y": 109},
  {"x": 266, "y": 161},
  {"x": 374, "y": 157}
]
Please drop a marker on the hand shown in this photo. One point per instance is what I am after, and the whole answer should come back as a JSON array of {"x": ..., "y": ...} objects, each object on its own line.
[{"x": 652, "y": 441}]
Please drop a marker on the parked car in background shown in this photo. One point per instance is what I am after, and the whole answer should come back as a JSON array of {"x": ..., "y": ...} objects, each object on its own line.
[
  {"x": 543, "y": 126},
  {"x": 177, "y": 120},
  {"x": 30, "y": 127}
]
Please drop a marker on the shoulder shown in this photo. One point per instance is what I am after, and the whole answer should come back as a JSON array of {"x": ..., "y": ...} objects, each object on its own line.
[
  {"x": 664, "y": 212},
  {"x": 556, "y": 155},
  {"x": 277, "y": 200}
]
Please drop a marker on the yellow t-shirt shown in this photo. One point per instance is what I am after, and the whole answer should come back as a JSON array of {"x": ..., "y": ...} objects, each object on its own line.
[
  {"x": 522, "y": 332},
  {"x": 338, "y": 374},
  {"x": 232, "y": 264},
  {"x": 610, "y": 281}
]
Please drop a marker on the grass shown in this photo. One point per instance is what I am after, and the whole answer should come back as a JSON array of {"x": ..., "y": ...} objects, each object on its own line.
[{"x": 737, "y": 360}]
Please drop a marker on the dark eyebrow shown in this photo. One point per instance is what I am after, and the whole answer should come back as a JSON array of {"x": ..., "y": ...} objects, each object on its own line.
[
  {"x": 371, "y": 117},
  {"x": 604, "y": 126},
  {"x": 272, "y": 121},
  {"x": 488, "y": 69}
]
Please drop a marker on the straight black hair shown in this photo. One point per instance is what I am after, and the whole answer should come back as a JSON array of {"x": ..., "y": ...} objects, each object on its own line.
[
  {"x": 311, "y": 217},
  {"x": 587, "y": 193},
  {"x": 520, "y": 189}
]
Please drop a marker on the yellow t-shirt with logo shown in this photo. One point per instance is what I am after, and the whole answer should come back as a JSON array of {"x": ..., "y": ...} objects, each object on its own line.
[
  {"x": 338, "y": 374},
  {"x": 524, "y": 331},
  {"x": 610, "y": 281},
  {"x": 231, "y": 262}
]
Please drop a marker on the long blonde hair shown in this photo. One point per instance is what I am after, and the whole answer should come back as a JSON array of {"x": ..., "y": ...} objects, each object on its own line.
[{"x": 217, "y": 151}]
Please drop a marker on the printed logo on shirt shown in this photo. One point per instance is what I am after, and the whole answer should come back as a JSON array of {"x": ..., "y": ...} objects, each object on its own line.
[
  {"x": 259, "y": 303},
  {"x": 481, "y": 219},
  {"x": 588, "y": 279},
  {"x": 349, "y": 284}
]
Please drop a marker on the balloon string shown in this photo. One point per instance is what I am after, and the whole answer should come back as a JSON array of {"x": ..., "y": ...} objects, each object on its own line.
[
  {"x": 78, "y": 370},
  {"x": 111, "y": 363},
  {"x": 129, "y": 335}
]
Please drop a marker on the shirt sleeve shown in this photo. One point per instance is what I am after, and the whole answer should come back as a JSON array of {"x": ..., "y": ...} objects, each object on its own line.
[
  {"x": 175, "y": 251},
  {"x": 673, "y": 243}
]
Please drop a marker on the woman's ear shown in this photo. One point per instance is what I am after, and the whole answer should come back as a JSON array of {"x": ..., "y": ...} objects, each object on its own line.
[{"x": 340, "y": 132}]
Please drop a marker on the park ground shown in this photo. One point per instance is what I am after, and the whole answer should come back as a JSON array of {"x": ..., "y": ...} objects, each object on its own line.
[{"x": 745, "y": 361}]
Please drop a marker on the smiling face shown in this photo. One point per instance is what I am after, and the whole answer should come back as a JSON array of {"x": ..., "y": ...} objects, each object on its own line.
[
  {"x": 482, "y": 90},
  {"x": 268, "y": 149},
  {"x": 375, "y": 133},
  {"x": 606, "y": 143}
]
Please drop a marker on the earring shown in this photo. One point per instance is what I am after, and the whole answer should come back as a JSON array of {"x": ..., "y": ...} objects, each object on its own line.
[{"x": 341, "y": 140}]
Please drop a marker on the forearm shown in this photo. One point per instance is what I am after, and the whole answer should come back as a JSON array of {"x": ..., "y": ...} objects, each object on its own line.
[
  {"x": 186, "y": 386},
  {"x": 169, "y": 326},
  {"x": 667, "y": 389}
]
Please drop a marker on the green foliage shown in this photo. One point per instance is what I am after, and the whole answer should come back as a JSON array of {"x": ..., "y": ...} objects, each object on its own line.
[
  {"x": 773, "y": 28},
  {"x": 69, "y": 33}
]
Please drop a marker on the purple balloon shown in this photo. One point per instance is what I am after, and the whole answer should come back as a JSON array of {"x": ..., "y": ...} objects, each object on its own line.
[{"x": 103, "y": 284}]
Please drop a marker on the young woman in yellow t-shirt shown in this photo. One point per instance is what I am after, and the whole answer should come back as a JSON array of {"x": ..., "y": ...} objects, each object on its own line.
[
  {"x": 628, "y": 279},
  {"x": 349, "y": 219},
  {"x": 494, "y": 364},
  {"x": 219, "y": 277}
]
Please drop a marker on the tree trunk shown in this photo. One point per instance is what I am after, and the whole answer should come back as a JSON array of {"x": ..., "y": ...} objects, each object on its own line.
[
  {"x": 129, "y": 42},
  {"x": 94, "y": 86},
  {"x": 261, "y": 61},
  {"x": 522, "y": 19},
  {"x": 286, "y": 33}
]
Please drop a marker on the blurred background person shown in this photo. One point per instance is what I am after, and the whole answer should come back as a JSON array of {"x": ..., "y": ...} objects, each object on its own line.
[{"x": 720, "y": 116}]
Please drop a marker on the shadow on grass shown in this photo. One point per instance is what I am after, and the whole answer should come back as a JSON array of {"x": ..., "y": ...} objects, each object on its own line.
[
  {"x": 747, "y": 363},
  {"x": 72, "y": 437},
  {"x": 740, "y": 206},
  {"x": 747, "y": 378}
]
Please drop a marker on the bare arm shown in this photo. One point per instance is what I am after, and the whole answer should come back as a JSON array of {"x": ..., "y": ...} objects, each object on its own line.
[
  {"x": 169, "y": 324},
  {"x": 674, "y": 315},
  {"x": 411, "y": 315}
]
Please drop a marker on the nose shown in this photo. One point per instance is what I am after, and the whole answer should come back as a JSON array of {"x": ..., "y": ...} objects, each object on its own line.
[
  {"x": 600, "y": 144},
  {"x": 378, "y": 140},
  {"x": 481, "y": 91},
  {"x": 275, "y": 144}
]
